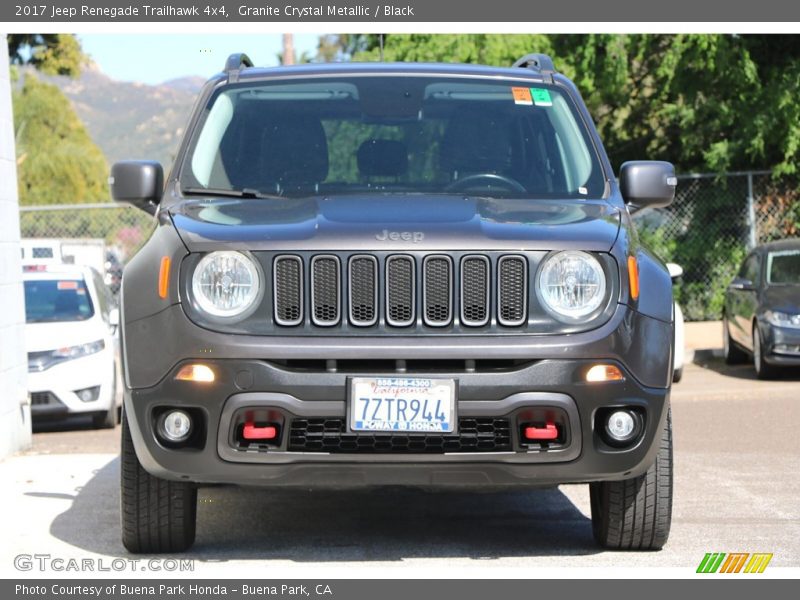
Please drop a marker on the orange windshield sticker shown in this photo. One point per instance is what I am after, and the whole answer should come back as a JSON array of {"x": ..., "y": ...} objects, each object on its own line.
[
  {"x": 522, "y": 96},
  {"x": 67, "y": 285}
]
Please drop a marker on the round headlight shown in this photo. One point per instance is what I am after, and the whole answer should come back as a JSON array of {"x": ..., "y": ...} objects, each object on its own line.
[
  {"x": 571, "y": 285},
  {"x": 226, "y": 284}
]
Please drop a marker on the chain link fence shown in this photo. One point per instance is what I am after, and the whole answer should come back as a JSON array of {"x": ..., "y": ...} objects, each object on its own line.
[
  {"x": 713, "y": 222},
  {"x": 120, "y": 230}
]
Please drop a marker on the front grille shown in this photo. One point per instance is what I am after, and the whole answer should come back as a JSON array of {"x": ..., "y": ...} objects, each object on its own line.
[
  {"x": 386, "y": 292},
  {"x": 512, "y": 291},
  {"x": 437, "y": 285},
  {"x": 330, "y": 435},
  {"x": 363, "y": 290},
  {"x": 288, "y": 290},
  {"x": 475, "y": 291},
  {"x": 325, "y": 290},
  {"x": 400, "y": 291},
  {"x": 44, "y": 399}
]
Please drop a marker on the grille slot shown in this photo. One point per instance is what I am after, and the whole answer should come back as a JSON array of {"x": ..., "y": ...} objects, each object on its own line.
[
  {"x": 288, "y": 287},
  {"x": 325, "y": 290},
  {"x": 437, "y": 285},
  {"x": 363, "y": 285},
  {"x": 485, "y": 434},
  {"x": 44, "y": 399},
  {"x": 512, "y": 291},
  {"x": 475, "y": 291},
  {"x": 400, "y": 291}
]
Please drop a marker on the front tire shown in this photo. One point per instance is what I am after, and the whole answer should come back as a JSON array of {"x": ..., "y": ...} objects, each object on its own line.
[
  {"x": 106, "y": 420},
  {"x": 157, "y": 515},
  {"x": 109, "y": 418},
  {"x": 733, "y": 354},
  {"x": 763, "y": 370},
  {"x": 636, "y": 514}
]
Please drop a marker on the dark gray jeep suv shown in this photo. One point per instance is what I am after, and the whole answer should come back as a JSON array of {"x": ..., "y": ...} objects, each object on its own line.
[{"x": 395, "y": 274}]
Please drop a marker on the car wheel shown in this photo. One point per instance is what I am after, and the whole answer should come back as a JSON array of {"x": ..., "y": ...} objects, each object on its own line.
[
  {"x": 106, "y": 420},
  {"x": 733, "y": 354},
  {"x": 636, "y": 514},
  {"x": 110, "y": 418},
  {"x": 157, "y": 515},
  {"x": 677, "y": 375},
  {"x": 763, "y": 370}
]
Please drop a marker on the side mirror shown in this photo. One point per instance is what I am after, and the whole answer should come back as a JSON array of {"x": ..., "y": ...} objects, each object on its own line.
[
  {"x": 137, "y": 182},
  {"x": 113, "y": 317},
  {"x": 740, "y": 283},
  {"x": 675, "y": 270},
  {"x": 647, "y": 183}
]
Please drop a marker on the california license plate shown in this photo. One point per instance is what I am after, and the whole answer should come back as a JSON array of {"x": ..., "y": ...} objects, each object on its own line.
[{"x": 402, "y": 404}]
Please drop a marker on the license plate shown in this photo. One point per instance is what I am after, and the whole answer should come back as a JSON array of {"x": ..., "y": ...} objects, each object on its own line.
[{"x": 402, "y": 404}]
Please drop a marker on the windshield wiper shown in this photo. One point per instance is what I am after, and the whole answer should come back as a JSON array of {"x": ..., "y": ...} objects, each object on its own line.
[{"x": 243, "y": 193}]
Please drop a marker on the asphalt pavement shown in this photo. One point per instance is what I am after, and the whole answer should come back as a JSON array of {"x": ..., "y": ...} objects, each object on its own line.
[{"x": 737, "y": 459}]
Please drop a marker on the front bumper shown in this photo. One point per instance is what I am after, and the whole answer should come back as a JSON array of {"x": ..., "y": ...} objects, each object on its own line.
[
  {"x": 782, "y": 345},
  {"x": 291, "y": 378},
  {"x": 53, "y": 391},
  {"x": 289, "y": 394}
]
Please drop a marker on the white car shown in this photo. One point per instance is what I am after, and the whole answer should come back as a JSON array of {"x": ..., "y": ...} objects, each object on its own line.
[
  {"x": 676, "y": 271},
  {"x": 70, "y": 338}
]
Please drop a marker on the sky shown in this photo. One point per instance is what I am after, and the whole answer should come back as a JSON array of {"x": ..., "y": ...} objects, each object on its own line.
[{"x": 154, "y": 58}]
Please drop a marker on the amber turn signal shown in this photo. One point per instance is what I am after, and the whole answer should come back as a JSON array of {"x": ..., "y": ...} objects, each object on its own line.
[
  {"x": 196, "y": 372},
  {"x": 633, "y": 277},
  {"x": 600, "y": 373},
  {"x": 163, "y": 278}
]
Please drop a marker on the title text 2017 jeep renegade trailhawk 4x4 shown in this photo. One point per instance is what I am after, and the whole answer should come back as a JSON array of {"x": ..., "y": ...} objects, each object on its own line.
[{"x": 407, "y": 274}]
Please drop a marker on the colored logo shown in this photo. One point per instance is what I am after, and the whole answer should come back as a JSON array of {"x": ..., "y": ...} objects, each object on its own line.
[{"x": 734, "y": 562}]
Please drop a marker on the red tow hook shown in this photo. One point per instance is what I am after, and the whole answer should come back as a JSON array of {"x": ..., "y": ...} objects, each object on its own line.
[
  {"x": 252, "y": 431},
  {"x": 548, "y": 432}
]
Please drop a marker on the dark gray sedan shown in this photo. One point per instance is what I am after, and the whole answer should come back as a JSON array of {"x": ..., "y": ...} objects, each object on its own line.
[{"x": 761, "y": 316}]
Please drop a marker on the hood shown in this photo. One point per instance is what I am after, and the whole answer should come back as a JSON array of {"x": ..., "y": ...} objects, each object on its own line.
[
  {"x": 783, "y": 298},
  {"x": 52, "y": 335},
  {"x": 394, "y": 222}
]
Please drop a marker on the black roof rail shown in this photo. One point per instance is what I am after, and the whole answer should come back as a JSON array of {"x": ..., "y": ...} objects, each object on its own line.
[
  {"x": 538, "y": 62},
  {"x": 234, "y": 65}
]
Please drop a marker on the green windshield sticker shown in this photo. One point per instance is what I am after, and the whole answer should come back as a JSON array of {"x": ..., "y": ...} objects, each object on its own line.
[{"x": 541, "y": 97}]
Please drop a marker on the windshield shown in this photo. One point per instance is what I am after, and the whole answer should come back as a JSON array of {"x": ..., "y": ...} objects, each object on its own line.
[
  {"x": 783, "y": 267},
  {"x": 393, "y": 134},
  {"x": 56, "y": 300}
]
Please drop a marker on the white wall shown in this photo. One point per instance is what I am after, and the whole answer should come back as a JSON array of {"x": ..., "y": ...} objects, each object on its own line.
[{"x": 15, "y": 428}]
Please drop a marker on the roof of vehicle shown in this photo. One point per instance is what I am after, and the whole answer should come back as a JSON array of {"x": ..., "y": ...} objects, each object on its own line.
[
  {"x": 787, "y": 244},
  {"x": 321, "y": 69},
  {"x": 54, "y": 271}
]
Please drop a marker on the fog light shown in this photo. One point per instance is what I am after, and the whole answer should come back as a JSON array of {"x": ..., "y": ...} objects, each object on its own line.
[
  {"x": 621, "y": 426},
  {"x": 786, "y": 349},
  {"x": 88, "y": 394},
  {"x": 195, "y": 372},
  {"x": 604, "y": 373},
  {"x": 175, "y": 425}
]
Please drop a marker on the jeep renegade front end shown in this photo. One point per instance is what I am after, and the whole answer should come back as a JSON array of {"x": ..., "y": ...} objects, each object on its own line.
[{"x": 395, "y": 274}]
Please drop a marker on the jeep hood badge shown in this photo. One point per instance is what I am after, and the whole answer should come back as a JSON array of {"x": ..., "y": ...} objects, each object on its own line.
[{"x": 395, "y": 236}]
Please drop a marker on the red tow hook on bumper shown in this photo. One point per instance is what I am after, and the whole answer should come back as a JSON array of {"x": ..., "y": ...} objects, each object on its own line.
[
  {"x": 548, "y": 432},
  {"x": 252, "y": 431}
]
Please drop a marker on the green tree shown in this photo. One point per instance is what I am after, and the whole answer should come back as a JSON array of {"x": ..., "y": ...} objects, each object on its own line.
[
  {"x": 705, "y": 102},
  {"x": 50, "y": 53},
  {"x": 57, "y": 162}
]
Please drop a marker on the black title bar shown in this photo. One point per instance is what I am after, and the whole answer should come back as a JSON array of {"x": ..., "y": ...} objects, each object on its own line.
[{"x": 376, "y": 11}]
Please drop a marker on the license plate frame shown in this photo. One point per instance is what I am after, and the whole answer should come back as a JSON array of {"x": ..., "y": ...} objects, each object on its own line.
[{"x": 392, "y": 387}]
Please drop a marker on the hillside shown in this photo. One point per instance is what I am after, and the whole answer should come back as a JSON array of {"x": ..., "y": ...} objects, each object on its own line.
[{"x": 128, "y": 119}]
